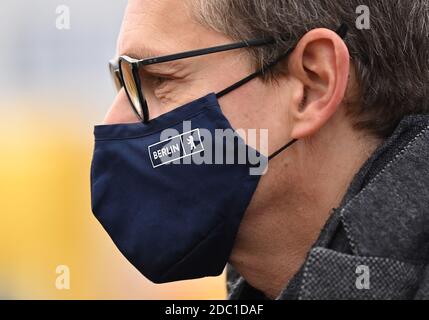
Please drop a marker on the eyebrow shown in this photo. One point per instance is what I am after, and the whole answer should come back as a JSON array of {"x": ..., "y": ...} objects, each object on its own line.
[
  {"x": 147, "y": 53},
  {"x": 141, "y": 53}
]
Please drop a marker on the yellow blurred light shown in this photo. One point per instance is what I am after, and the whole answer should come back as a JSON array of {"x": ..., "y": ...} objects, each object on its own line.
[{"x": 46, "y": 220}]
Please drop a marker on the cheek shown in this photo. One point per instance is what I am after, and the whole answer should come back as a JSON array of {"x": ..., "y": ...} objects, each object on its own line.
[
  {"x": 241, "y": 108},
  {"x": 173, "y": 95},
  {"x": 256, "y": 106}
]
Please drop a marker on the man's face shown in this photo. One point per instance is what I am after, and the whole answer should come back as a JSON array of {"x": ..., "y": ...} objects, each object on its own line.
[
  {"x": 160, "y": 27},
  {"x": 301, "y": 103}
]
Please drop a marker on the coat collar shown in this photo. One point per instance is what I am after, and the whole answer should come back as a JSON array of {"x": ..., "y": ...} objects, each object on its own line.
[
  {"x": 386, "y": 222},
  {"x": 389, "y": 216}
]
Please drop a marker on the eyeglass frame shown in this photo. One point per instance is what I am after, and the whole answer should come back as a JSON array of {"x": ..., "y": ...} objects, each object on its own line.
[{"x": 117, "y": 73}]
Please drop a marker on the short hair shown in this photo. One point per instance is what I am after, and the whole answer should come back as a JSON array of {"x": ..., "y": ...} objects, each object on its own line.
[{"x": 390, "y": 59}]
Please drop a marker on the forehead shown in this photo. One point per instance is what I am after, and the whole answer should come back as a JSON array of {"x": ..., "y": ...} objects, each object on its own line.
[{"x": 158, "y": 27}]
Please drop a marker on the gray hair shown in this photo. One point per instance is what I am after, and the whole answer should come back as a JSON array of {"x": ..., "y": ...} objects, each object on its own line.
[{"x": 391, "y": 59}]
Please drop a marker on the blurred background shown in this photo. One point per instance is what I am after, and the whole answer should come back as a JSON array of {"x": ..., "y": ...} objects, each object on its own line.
[{"x": 54, "y": 87}]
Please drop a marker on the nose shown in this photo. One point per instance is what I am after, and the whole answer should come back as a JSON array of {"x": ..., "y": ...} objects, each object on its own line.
[{"x": 120, "y": 112}]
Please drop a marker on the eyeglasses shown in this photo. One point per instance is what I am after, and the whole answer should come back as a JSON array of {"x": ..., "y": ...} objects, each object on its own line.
[
  {"x": 125, "y": 70},
  {"x": 115, "y": 73}
]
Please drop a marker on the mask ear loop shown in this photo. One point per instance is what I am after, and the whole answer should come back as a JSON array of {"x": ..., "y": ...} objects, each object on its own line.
[
  {"x": 253, "y": 75},
  {"x": 250, "y": 78},
  {"x": 342, "y": 32},
  {"x": 275, "y": 154}
]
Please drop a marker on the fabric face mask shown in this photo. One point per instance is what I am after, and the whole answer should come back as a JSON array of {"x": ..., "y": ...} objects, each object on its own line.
[{"x": 171, "y": 221}]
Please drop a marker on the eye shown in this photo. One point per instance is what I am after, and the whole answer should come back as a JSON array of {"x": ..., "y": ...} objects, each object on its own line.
[
  {"x": 154, "y": 79},
  {"x": 159, "y": 80}
]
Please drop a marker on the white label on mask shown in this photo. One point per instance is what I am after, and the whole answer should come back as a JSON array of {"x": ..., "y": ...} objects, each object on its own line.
[{"x": 176, "y": 148}]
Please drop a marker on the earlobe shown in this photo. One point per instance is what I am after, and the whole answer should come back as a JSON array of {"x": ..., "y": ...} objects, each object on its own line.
[{"x": 321, "y": 63}]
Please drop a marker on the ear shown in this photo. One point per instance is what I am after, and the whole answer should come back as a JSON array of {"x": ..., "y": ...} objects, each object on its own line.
[{"x": 320, "y": 66}]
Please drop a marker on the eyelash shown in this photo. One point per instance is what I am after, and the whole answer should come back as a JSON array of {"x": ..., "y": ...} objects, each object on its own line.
[
  {"x": 155, "y": 79},
  {"x": 159, "y": 80}
]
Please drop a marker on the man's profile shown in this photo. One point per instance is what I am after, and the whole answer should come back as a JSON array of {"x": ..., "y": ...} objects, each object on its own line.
[{"x": 342, "y": 211}]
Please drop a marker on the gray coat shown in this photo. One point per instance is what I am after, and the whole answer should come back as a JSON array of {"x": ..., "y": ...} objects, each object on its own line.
[{"x": 376, "y": 244}]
